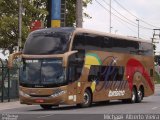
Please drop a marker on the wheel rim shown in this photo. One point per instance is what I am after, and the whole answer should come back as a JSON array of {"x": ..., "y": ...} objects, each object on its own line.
[
  {"x": 140, "y": 95},
  {"x": 133, "y": 96},
  {"x": 86, "y": 98}
]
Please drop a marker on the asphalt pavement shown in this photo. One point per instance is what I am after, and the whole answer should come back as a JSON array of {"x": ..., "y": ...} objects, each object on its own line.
[{"x": 148, "y": 109}]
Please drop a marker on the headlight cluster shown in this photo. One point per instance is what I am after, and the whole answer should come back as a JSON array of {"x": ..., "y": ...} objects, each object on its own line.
[
  {"x": 23, "y": 94},
  {"x": 58, "y": 92}
]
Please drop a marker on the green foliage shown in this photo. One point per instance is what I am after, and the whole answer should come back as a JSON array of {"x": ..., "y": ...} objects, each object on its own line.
[
  {"x": 71, "y": 11},
  {"x": 157, "y": 78},
  {"x": 32, "y": 10}
]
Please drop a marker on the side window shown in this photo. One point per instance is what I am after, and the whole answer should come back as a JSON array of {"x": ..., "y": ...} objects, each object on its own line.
[
  {"x": 86, "y": 41},
  {"x": 146, "y": 49},
  {"x": 79, "y": 42},
  {"x": 71, "y": 73},
  {"x": 107, "y": 44},
  {"x": 106, "y": 73},
  {"x": 120, "y": 73},
  {"x": 93, "y": 42},
  {"x": 118, "y": 45},
  {"x": 94, "y": 73},
  {"x": 131, "y": 46},
  {"x": 121, "y": 45},
  {"x": 75, "y": 66},
  {"x": 111, "y": 73}
]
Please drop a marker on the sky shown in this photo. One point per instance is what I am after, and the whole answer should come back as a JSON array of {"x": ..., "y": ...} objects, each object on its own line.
[{"x": 123, "y": 18}]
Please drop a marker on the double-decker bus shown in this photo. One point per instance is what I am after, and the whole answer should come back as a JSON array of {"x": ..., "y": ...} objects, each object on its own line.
[{"x": 79, "y": 66}]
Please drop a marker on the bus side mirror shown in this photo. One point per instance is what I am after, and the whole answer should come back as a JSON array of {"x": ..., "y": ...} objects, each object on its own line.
[{"x": 12, "y": 57}]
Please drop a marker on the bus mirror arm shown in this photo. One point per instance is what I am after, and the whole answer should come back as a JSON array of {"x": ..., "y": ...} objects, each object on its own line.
[{"x": 11, "y": 58}]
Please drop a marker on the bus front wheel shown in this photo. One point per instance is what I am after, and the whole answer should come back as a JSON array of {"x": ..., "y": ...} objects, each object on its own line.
[{"x": 87, "y": 99}]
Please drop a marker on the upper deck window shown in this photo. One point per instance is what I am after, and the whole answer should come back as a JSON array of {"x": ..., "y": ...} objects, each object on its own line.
[
  {"x": 44, "y": 43},
  {"x": 87, "y": 41}
]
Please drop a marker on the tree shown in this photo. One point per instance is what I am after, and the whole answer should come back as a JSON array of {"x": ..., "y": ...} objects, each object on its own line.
[
  {"x": 32, "y": 10},
  {"x": 71, "y": 11}
]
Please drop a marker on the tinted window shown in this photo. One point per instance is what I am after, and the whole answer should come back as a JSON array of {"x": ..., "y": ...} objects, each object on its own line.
[
  {"x": 75, "y": 63},
  {"x": 85, "y": 41},
  {"x": 120, "y": 45},
  {"x": 94, "y": 73},
  {"x": 93, "y": 42},
  {"x": 42, "y": 72},
  {"x": 107, "y": 43},
  {"x": 79, "y": 42},
  {"x": 146, "y": 49},
  {"x": 47, "y": 43},
  {"x": 106, "y": 73},
  {"x": 125, "y": 45}
]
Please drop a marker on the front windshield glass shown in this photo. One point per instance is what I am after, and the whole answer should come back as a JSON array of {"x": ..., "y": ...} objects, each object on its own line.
[
  {"x": 42, "y": 73},
  {"x": 47, "y": 43}
]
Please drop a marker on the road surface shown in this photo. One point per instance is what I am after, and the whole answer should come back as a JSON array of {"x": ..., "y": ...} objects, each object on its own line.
[{"x": 149, "y": 106}]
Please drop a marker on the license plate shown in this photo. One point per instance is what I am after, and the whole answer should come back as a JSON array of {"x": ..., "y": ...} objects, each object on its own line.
[{"x": 39, "y": 100}]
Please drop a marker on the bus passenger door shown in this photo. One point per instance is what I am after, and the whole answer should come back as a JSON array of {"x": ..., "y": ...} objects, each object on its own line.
[
  {"x": 75, "y": 66},
  {"x": 72, "y": 88}
]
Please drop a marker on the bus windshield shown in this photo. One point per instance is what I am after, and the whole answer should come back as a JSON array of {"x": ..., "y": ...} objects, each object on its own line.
[
  {"x": 42, "y": 43},
  {"x": 42, "y": 73}
]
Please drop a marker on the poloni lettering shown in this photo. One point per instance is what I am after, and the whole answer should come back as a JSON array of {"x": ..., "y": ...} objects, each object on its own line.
[{"x": 116, "y": 93}]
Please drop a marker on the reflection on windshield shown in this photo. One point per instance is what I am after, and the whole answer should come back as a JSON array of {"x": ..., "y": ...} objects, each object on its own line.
[
  {"x": 52, "y": 70},
  {"x": 42, "y": 72}
]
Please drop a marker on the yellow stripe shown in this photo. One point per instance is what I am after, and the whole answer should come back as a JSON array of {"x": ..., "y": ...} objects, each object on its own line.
[
  {"x": 91, "y": 60},
  {"x": 55, "y": 23}
]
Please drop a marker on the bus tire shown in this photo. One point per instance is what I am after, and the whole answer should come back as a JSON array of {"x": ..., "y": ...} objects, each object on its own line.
[
  {"x": 87, "y": 99},
  {"x": 139, "y": 95},
  {"x": 46, "y": 107},
  {"x": 133, "y": 96}
]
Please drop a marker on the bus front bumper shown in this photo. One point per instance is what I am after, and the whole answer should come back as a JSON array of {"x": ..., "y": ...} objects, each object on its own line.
[{"x": 36, "y": 96}]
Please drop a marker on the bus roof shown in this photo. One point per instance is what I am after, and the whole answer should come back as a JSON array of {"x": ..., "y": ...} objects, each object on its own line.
[{"x": 82, "y": 30}]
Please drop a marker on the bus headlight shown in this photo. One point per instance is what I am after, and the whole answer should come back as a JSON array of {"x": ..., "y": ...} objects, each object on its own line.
[
  {"x": 58, "y": 93},
  {"x": 23, "y": 94}
]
